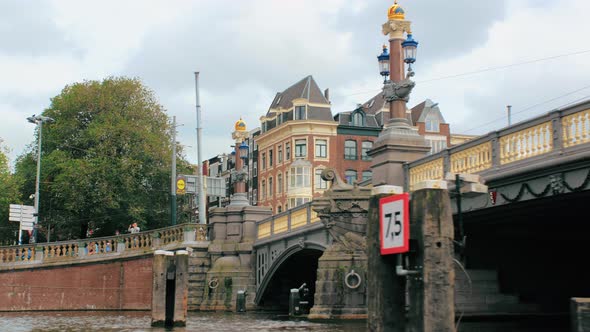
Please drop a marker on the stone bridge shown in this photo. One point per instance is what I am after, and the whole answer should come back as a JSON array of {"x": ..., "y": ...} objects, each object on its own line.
[{"x": 530, "y": 222}]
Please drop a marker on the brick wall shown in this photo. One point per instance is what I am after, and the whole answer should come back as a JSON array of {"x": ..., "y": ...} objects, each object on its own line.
[{"x": 114, "y": 285}]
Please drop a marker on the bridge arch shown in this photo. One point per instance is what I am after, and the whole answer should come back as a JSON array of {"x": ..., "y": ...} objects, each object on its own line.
[{"x": 286, "y": 255}]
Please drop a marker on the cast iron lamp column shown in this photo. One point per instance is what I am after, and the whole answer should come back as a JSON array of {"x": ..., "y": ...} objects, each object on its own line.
[{"x": 38, "y": 120}]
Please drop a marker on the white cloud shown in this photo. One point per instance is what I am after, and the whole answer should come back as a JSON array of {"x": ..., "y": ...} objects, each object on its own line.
[{"x": 248, "y": 50}]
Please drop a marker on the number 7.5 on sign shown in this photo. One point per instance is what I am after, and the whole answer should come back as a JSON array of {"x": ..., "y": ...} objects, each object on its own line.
[{"x": 394, "y": 224}]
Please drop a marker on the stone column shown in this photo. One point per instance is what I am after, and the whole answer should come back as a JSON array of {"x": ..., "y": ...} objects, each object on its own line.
[
  {"x": 341, "y": 286},
  {"x": 159, "y": 267},
  {"x": 181, "y": 291},
  {"x": 432, "y": 292},
  {"x": 386, "y": 292}
]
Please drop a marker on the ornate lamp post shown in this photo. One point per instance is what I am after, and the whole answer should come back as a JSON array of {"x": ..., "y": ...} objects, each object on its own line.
[
  {"x": 397, "y": 90},
  {"x": 38, "y": 120},
  {"x": 239, "y": 155},
  {"x": 399, "y": 142}
]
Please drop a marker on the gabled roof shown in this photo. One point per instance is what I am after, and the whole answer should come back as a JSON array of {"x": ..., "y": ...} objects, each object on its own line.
[
  {"x": 420, "y": 111},
  {"x": 306, "y": 88}
]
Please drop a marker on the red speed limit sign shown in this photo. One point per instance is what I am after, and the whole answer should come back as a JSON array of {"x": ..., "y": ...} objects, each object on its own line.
[{"x": 394, "y": 224}]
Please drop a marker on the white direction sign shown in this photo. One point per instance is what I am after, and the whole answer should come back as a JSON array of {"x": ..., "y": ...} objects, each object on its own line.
[
  {"x": 394, "y": 224},
  {"x": 215, "y": 186},
  {"x": 23, "y": 214}
]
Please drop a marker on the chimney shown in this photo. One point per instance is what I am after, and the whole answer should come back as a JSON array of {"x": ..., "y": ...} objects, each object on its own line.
[
  {"x": 509, "y": 109},
  {"x": 327, "y": 94}
]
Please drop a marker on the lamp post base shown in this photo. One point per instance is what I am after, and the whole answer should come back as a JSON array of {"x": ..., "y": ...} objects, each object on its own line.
[{"x": 239, "y": 199}]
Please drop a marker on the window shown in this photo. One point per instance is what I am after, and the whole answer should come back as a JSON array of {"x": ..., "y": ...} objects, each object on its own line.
[
  {"x": 255, "y": 168},
  {"x": 350, "y": 150},
  {"x": 358, "y": 119},
  {"x": 280, "y": 154},
  {"x": 299, "y": 112},
  {"x": 319, "y": 182},
  {"x": 270, "y": 187},
  {"x": 263, "y": 160},
  {"x": 287, "y": 180},
  {"x": 321, "y": 148},
  {"x": 263, "y": 192},
  {"x": 279, "y": 209},
  {"x": 287, "y": 151},
  {"x": 270, "y": 159},
  {"x": 280, "y": 184},
  {"x": 294, "y": 202},
  {"x": 300, "y": 177},
  {"x": 255, "y": 196},
  {"x": 300, "y": 148},
  {"x": 432, "y": 123},
  {"x": 367, "y": 175},
  {"x": 437, "y": 144},
  {"x": 367, "y": 145},
  {"x": 350, "y": 176}
]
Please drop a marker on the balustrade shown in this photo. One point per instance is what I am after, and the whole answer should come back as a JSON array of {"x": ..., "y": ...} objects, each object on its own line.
[
  {"x": 286, "y": 221},
  {"x": 136, "y": 243},
  {"x": 526, "y": 143},
  {"x": 576, "y": 128},
  {"x": 517, "y": 143},
  {"x": 432, "y": 170}
]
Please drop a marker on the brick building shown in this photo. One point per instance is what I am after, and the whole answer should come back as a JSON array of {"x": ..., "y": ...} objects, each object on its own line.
[{"x": 294, "y": 146}]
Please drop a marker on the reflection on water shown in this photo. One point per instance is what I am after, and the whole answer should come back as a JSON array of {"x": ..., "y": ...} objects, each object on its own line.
[{"x": 140, "y": 321}]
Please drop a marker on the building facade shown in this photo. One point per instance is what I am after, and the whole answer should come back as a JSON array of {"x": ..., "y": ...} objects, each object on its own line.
[{"x": 295, "y": 146}]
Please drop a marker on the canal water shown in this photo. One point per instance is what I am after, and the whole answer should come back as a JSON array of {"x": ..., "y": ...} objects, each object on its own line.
[
  {"x": 230, "y": 322},
  {"x": 140, "y": 321}
]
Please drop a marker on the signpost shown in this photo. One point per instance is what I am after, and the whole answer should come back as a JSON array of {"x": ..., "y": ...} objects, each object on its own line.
[
  {"x": 190, "y": 185},
  {"x": 394, "y": 224},
  {"x": 24, "y": 215}
]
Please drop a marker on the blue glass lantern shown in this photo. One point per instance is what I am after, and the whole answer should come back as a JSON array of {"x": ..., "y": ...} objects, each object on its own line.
[
  {"x": 410, "y": 47},
  {"x": 243, "y": 150},
  {"x": 384, "y": 63},
  {"x": 232, "y": 157}
]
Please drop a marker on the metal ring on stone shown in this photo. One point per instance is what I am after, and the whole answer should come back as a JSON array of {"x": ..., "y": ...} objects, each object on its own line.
[
  {"x": 352, "y": 274},
  {"x": 213, "y": 283}
]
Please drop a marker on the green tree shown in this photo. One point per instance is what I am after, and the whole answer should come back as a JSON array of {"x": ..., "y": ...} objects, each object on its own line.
[
  {"x": 9, "y": 192},
  {"x": 105, "y": 159}
]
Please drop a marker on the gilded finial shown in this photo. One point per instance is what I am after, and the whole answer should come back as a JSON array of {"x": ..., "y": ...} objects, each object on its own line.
[{"x": 396, "y": 12}]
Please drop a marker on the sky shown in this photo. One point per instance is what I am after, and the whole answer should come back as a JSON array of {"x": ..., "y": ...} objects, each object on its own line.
[{"x": 474, "y": 57}]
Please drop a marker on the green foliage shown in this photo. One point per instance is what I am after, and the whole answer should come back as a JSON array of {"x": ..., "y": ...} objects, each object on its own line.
[
  {"x": 105, "y": 159},
  {"x": 9, "y": 192}
]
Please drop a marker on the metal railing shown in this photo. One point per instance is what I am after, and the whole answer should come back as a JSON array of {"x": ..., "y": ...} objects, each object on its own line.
[
  {"x": 286, "y": 222},
  {"x": 104, "y": 247},
  {"x": 539, "y": 137}
]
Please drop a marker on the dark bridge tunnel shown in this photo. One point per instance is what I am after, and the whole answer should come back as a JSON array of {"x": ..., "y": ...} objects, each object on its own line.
[
  {"x": 539, "y": 248},
  {"x": 300, "y": 268}
]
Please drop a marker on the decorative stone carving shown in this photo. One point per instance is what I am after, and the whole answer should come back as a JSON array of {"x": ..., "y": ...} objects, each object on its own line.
[
  {"x": 396, "y": 28},
  {"x": 399, "y": 91},
  {"x": 343, "y": 210},
  {"x": 556, "y": 183}
]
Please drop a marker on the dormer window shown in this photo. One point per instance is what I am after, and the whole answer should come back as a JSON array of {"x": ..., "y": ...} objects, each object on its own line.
[
  {"x": 432, "y": 123},
  {"x": 300, "y": 113},
  {"x": 358, "y": 119}
]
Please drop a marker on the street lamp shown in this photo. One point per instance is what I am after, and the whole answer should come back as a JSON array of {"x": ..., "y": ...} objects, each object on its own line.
[
  {"x": 38, "y": 120},
  {"x": 410, "y": 47},
  {"x": 243, "y": 151},
  {"x": 384, "y": 63}
]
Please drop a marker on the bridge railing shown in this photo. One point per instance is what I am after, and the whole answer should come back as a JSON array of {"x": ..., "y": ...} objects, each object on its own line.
[
  {"x": 104, "y": 247},
  {"x": 530, "y": 140},
  {"x": 287, "y": 221}
]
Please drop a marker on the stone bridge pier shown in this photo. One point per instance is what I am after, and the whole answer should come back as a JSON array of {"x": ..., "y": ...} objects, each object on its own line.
[
  {"x": 231, "y": 252},
  {"x": 342, "y": 269}
]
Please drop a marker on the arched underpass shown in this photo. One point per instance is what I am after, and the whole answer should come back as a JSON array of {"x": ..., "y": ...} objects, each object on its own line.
[
  {"x": 301, "y": 267},
  {"x": 539, "y": 249}
]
